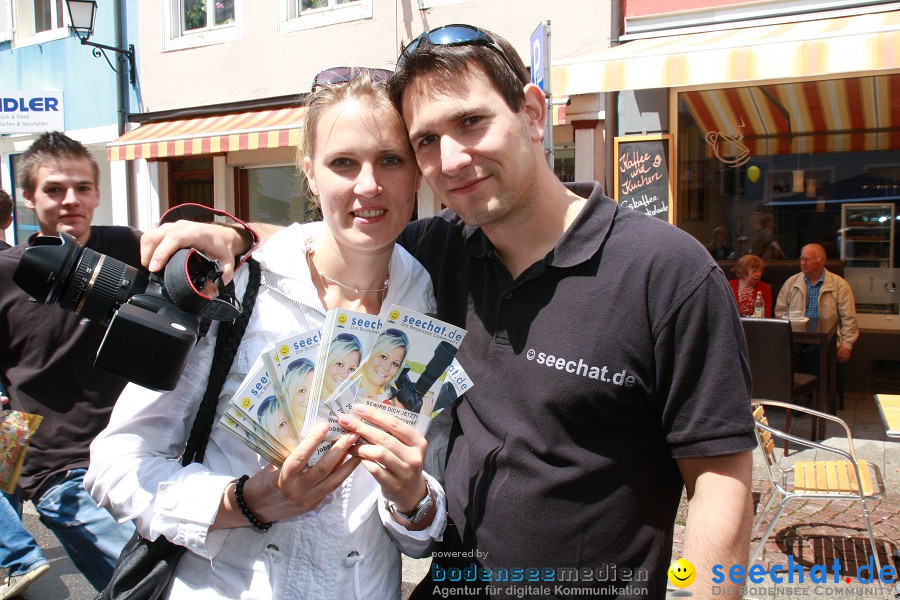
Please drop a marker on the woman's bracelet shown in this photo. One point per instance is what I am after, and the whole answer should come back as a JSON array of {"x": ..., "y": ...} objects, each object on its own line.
[{"x": 242, "y": 504}]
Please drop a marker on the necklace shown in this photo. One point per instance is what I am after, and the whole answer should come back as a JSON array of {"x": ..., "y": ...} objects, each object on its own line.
[{"x": 325, "y": 278}]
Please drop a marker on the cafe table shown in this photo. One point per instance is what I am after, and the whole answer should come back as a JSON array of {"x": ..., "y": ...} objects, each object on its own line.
[
  {"x": 821, "y": 332},
  {"x": 889, "y": 407}
]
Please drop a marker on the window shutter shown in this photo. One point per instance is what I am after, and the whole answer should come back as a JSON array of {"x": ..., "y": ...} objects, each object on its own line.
[{"x": 6, "y": 24}]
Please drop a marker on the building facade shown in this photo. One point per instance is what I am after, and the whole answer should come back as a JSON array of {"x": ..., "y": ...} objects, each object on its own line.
[
  {"x": 222, "y": 83},
  {"x": 51, "y": 82}
]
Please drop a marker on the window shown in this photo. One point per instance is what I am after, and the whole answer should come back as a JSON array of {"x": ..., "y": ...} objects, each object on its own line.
[
  {"x": 273, "y": 195},
  {"x": 191, "y": 180},
  {"x": 305, "y": 14},
  {"x": 191, "y": 23},
  {"x": 780, "y": 179},
  {"x": 48, "y": 14},
  {"x": 24, "y": 220},
  {"x": 33, "y": 21},
  {"x": 198, "y": 15}
]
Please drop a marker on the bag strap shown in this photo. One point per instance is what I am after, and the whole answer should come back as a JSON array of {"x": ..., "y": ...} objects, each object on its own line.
[{"x": 227, "y": 342}]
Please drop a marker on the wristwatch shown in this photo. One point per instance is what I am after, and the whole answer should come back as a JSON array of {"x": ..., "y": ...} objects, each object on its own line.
[{"x": 418, "y": 513}]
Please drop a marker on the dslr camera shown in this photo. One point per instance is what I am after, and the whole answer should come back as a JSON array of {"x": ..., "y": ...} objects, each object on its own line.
[{"x": 153, "y": 322}]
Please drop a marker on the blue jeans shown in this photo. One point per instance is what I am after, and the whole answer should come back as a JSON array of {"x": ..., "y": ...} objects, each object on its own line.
[
  {"x": 91, "y": 536},
  {"x": 19, "y": 552}
]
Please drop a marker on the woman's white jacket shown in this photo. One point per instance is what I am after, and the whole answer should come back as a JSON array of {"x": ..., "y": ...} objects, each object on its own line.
[{"x": 347, "y": 548}]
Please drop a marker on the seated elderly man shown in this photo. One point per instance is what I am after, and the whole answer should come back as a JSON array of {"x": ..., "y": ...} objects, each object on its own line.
[{"x": 820, "y": 293}]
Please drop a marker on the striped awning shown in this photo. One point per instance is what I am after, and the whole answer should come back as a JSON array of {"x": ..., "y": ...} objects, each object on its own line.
[
  {"x": 210, "y": 135},
  {"x": 835, "y": 115},
  {"x": 856, "y": 44}
]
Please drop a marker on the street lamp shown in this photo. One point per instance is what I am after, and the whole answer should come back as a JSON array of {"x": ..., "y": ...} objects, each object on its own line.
[{"x": 82, "y": 14}]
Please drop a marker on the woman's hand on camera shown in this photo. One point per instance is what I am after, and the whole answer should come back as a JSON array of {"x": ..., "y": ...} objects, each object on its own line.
[
  {"x": 276, "y": 494},
  {"x": 393, "y": 452},
  {"x": 217, "y": 242}
]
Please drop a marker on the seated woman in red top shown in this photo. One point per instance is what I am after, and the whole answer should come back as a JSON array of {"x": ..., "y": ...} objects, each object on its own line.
[{"x": 749, "y": 268}]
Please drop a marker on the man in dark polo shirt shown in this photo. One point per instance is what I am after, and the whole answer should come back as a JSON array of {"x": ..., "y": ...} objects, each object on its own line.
[
  {"x": 46, "y": 360},
  {"x": 606, "y": 352}
]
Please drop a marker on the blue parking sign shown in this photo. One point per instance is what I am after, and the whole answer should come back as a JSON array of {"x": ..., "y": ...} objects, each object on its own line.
[{"x": 537, "y": 57}]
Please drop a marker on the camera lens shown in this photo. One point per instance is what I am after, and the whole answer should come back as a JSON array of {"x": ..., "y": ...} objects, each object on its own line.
[
  {"x": 99, "y": 284},
  {"x": 43, "y": 268},
  {"x": 80, "y": 279}
]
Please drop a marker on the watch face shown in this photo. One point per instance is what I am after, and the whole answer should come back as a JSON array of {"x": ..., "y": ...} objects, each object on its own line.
[{"x": 421, "y": 509}]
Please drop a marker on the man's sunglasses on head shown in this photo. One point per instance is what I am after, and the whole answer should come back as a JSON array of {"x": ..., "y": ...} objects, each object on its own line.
[{"x": 455, "y": 35}]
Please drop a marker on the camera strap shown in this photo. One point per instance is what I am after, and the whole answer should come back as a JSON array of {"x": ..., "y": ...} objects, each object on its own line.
[
  {"x": 186, "y": 277},
  {"x": 190, "y": 211}
]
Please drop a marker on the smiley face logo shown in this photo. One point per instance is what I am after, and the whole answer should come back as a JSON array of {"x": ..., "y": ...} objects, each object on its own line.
[
  {"x": 395, "y": 314},
  {"x": 682, "y": 573},
  {"x": 245, "y": 402},
  {"x": 284, "y": 350},
  {"x": 342, "y": 318}
]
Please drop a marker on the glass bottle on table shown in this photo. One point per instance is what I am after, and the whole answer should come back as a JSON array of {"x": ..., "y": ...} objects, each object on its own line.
[{"x": 759, "y": 306}]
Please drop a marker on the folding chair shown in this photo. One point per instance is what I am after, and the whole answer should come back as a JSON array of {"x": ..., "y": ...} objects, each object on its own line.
[
  {"x": 845, "y": 478},
  {"x": 770, "y": 350}
]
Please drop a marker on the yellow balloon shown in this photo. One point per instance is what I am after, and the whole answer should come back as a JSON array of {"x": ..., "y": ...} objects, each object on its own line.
[{"x": 753, "y": 173}]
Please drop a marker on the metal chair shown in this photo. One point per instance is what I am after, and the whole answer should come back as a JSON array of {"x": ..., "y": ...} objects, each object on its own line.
[
  {"x": 770, "y": 351},
  {"x": 846, "y": 479}
]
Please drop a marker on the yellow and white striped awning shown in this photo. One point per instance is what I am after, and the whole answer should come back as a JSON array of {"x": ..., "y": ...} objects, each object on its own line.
[
  {"x": 858, "y": 44},
  {"x": 275, "y": 128}
]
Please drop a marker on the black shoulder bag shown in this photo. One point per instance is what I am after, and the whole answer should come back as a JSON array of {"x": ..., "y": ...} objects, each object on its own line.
[{"x": 145, "y": 567}]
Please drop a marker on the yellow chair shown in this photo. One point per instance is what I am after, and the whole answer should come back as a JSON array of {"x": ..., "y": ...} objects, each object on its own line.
[{"x": 845, "y": 478}]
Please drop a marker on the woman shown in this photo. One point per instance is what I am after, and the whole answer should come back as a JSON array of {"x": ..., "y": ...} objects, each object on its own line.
[
  {"x": 297, "y": 384},
  {"x": 344, "y": 356},
  {"x": 336, "y": 528},
  {"x": 271, "y": 418},
  {"x": 749, "y": 268},
  {"x": 384, "y": 366}
]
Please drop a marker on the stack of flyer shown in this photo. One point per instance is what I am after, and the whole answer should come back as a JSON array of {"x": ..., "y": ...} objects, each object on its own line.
[{"x": 403, "y": 365}]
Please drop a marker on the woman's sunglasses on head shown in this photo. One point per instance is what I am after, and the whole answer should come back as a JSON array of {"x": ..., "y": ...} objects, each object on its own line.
[
  {"x": 339, "y": 75},
  {"x": 455, "y": 35}
]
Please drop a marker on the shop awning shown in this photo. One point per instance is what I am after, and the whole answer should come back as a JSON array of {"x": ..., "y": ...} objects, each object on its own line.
[
  {"x": 210, "y": 135},
  {"x": 834, "y": 115},
  {"x": 808, "y": 49}
]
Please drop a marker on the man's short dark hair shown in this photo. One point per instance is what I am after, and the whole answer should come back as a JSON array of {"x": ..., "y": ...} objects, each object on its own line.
[
  {"x": 49, "y": 149},
  {"x": 6, "y": 208},
  {"x": 448, "y": 62}
]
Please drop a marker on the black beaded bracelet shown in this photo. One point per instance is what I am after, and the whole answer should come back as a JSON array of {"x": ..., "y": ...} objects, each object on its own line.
[{"x": 242, "y": 504}]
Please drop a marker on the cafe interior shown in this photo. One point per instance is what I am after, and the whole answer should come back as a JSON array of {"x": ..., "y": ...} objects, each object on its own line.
[{"x": 802, "y": 162}]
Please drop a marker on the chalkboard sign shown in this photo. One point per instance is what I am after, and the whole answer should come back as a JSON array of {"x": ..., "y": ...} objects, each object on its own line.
[{"x": 643, "y": 173}]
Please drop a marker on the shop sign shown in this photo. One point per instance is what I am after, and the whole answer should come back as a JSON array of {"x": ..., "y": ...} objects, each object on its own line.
[{"x": 31, "y": 112}]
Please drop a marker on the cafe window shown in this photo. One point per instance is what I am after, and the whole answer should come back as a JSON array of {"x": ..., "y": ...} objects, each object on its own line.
[
  {"x": 774, "y": 165},
  {"x": 274, "y": 195}
]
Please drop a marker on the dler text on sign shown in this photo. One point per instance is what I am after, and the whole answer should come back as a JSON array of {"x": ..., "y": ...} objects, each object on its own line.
[{"x": 31, "y": 112}]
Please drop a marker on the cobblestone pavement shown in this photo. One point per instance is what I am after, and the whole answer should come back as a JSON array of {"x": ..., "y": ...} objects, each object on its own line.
[
  {"x": 812, "y": 532},
  {"x": 816, "y": 532}
]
